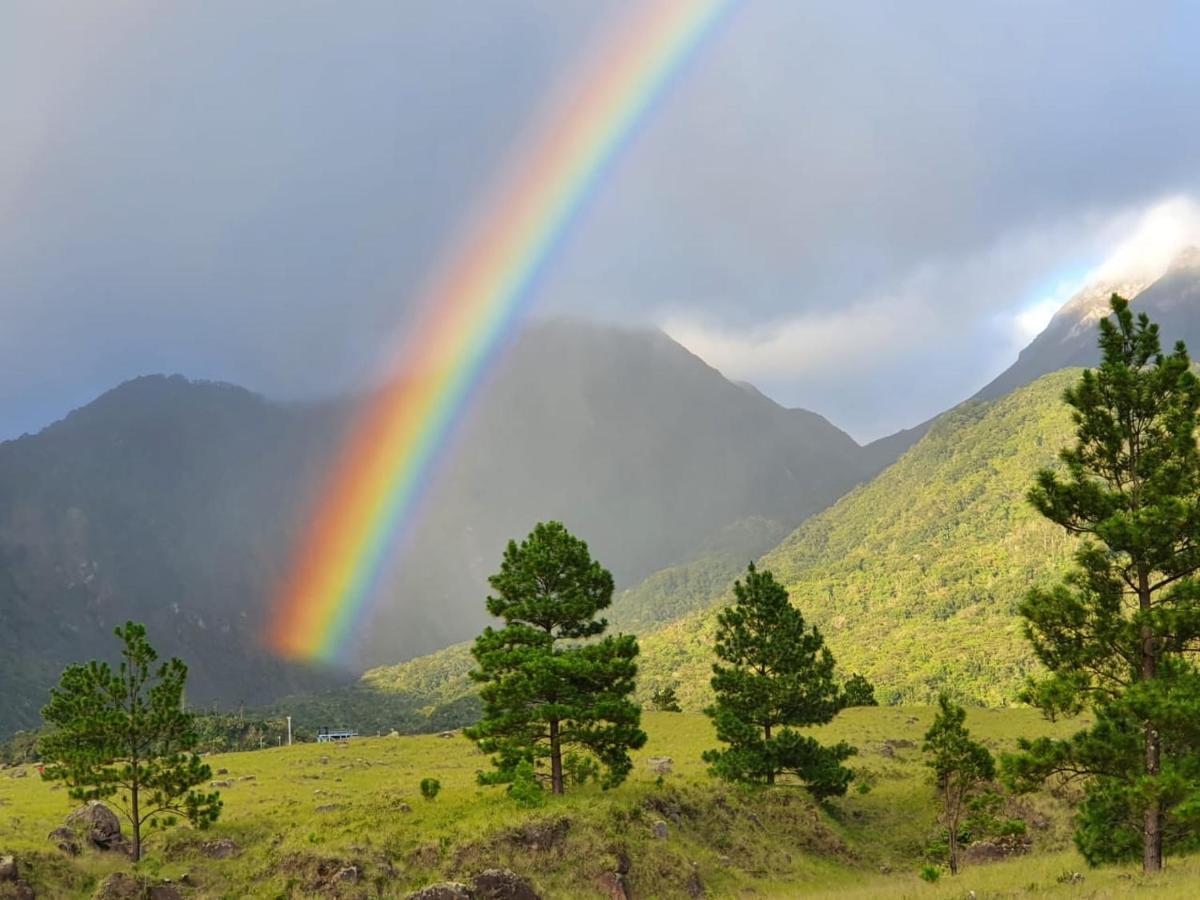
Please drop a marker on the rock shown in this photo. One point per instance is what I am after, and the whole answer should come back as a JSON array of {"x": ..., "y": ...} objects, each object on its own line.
[
  {"x": 220, "y": 784},
  {"x": 541, "y": 835},
  {"x": 660, "y": 829},
  {"x": 660, "y": 765},
  {"x": 613, "y": 884},
  {"x": 502, "y": 884},
  {"x": 446, "y": 890},
  {"x": 404, "y": 808},
  {"x": 393, "y": 733},
  {"x": 222, "y": 771},
  {"x": 98, "y": 824},
  {"x": 18, "y": 773},
  {"x": 331, "y": 807},
  {"x": 347, "y": 875},
  {"x": 694, "y": 886},
  {"x": 65, "y": 840},
  {"x": 8, "y": 868},
  {"x": 222, "y": 848},
  {"x": 248, "y": 778},
  {"x": 119, "y": 886},
  {"x": 447, "y": 734}
]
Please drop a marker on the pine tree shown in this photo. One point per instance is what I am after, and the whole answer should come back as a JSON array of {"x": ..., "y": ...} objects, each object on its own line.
[
  {"x": 962, "y": 769},
  {"x": 125, "y": 735},
  {"x": 775, "y": 674},
  {"x": 1116, "y": 634},
  {"x": 665, "y": 700},
  {"x": 549, "y": 681},
  {"x": 858, "y": 691}
]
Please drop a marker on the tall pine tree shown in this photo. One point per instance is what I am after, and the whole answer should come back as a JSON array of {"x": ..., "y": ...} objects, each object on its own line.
[
  {"x": 549, "y": 682},
  {"x": 961, "y": 767},
  {"x": 775, "y": 675},
  {"x": 1116, "y": 635},
  {"x": 124, "y": 736}
]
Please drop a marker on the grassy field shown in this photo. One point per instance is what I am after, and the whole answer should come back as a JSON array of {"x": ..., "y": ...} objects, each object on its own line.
[{"x": 299, "y": 815}]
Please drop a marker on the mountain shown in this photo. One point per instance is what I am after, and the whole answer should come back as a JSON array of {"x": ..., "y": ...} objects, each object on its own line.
[
  {"x": 177, "y": 503},
  {"x": 164, "y": 501},
  {"x": 913, "y": 578},
  {"x": 1170, "y": 298}
]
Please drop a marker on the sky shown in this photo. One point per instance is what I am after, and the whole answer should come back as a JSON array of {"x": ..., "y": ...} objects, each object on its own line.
[{"x": 866, "y": 209}]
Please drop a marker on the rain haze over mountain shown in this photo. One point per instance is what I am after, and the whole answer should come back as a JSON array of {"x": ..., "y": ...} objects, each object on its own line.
[{"x": 865, "y": 210}]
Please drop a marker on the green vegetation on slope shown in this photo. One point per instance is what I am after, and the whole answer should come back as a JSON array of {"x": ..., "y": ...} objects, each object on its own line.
[{"x": 915, "y": 578}]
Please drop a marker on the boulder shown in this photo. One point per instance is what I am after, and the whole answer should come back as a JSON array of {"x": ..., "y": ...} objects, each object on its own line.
[
  {"x": 98, "y": 825},
  {"x": 660, "y": 829},
  {"x": 612, "y": 885},
  {"x": 446, "y": 890},
  {"x": 502, "y": 884},
  {"x": 347, "y": 875},
  {"x": 119, "y": 886},
  {"x": 65, "y": 840},
  {"x": 660, "y": 765},
  {"x": 222, "y": 771},
  {"x": 8, "y": 868},
  {"x": 221, "y": 848}
]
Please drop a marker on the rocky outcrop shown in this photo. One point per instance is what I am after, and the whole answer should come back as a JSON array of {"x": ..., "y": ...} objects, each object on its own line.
[
  {"x": 446, "y": 890},
  {"x": 98, "y": 825},
  {"x": 120, "y": 886},
  {"x": 66, "y": 840},
  {"x": 502, "y": 884}
]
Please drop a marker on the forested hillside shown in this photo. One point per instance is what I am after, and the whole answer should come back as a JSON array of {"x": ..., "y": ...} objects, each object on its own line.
[
  {"x": 178, "y": 503},
  {"x": 913, "y": 578}
]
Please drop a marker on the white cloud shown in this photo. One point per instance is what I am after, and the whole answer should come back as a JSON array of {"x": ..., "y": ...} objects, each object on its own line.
[{"x": 964, "y": 320}]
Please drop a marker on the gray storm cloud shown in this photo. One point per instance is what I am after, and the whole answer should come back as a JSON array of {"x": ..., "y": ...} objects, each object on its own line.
[{"x": 853, "y": 203}]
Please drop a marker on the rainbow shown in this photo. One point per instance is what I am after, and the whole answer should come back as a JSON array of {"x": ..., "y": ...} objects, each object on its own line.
[{"x": 470, "y": 308}]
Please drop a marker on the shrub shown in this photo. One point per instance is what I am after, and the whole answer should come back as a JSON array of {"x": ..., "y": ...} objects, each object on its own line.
[{"x": 430, "y": 788}]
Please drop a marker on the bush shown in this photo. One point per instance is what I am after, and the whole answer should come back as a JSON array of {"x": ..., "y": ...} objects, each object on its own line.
[
  {"x": 430, "y": 788},
  {"x": 930, "y": 874},
  {"x": 525, "y": 787},
  {"x": 580, "y": 768}
]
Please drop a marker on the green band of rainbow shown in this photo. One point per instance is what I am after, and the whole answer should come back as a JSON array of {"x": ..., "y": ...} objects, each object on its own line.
[{"x": 374, "y": 488}]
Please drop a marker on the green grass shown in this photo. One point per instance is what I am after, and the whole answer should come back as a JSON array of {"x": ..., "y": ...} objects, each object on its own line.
[{"x": 736, "y": 842}]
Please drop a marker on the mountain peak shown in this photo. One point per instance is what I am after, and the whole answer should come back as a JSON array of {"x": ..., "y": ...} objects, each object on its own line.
[{"x": 1186, "y": 261}]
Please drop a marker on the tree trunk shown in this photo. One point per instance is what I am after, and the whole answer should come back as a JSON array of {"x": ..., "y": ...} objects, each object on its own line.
[
  {"x": 770, "y": 769},
  {"x": 137, "y": 823},
  {"x": 1152, "y": 840},
  {"x": 952, "y": 832},
  {"x": 556, "y": 772}
]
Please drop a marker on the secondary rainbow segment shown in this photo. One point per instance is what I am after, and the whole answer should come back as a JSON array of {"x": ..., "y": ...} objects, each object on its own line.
[{"x": 374, "y": 489}]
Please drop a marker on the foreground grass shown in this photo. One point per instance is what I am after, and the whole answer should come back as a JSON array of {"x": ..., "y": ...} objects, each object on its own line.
[{"x": 301, "y": 814}]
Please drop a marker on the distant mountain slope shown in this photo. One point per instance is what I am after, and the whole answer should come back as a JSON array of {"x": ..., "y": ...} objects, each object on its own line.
[
  {"x": 164, "y": 501},
  {"x": 178, "y": 503},
  {"x": 914, "y": 578}
]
